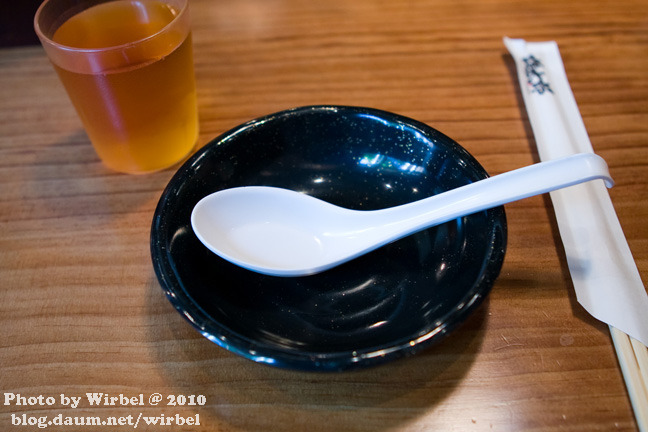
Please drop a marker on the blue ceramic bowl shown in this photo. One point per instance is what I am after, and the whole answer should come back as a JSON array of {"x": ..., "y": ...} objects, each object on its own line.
[{"x": 387, "y": 304}]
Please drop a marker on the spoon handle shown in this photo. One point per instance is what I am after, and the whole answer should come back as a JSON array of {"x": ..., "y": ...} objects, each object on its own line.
[{"x": 511, "y": 186}]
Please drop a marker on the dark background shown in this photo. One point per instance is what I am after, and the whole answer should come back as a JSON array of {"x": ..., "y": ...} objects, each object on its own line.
[{"x": 16, "y": 22}]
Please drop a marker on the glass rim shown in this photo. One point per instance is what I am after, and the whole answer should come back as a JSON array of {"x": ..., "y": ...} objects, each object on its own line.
[{"x": 62, "y": 47}]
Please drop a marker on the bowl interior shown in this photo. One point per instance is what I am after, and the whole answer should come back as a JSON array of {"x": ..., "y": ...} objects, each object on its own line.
[{"x": 386, "y": 304}]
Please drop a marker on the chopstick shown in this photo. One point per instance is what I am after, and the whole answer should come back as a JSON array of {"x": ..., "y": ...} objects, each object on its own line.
[
  {"x": 559, "y": 129},
  {"x": 633, "y": 361}
]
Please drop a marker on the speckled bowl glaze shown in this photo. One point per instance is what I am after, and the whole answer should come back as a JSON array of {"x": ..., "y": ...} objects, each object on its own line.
[{"x": 387, "y": 304}]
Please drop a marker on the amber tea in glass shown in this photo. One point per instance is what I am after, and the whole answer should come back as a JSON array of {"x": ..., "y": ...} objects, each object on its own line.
[{"x": 127, "y": 67}]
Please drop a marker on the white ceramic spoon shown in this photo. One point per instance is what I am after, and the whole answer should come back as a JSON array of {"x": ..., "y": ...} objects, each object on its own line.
[{"x": 286, "y": 233}]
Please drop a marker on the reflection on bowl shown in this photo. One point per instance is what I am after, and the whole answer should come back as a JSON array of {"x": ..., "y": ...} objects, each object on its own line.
[{"x": 387, "y": 304}]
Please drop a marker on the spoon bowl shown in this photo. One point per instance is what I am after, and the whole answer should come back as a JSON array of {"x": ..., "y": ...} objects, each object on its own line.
[{"x": 281, "y": 232}]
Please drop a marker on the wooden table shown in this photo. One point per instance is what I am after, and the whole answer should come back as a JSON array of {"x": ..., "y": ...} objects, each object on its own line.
[{"x": 82, "y": 312}]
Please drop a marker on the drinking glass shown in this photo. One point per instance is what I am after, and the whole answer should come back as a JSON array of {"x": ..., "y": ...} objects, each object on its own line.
[{"x": 127, "y": 66}]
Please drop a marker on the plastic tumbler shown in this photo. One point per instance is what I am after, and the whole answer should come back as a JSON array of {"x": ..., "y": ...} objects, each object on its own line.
[{"x": 127, "y": 67}]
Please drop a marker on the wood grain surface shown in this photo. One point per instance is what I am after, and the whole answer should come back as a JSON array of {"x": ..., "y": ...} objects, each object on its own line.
[{"x": 81, "y": 310}]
